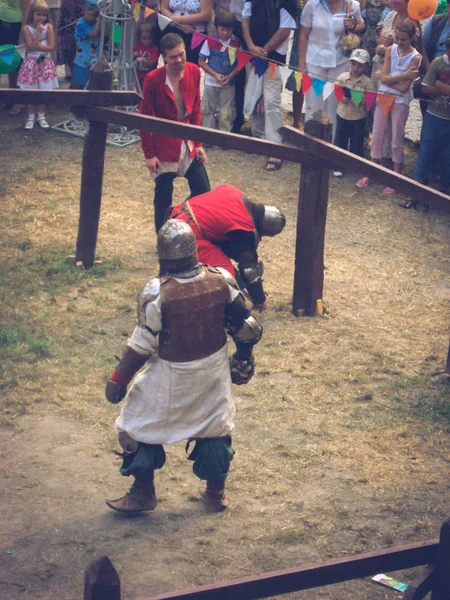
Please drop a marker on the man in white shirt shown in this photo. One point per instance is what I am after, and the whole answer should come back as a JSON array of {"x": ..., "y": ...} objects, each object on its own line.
[{"x": 266, "y": 27}]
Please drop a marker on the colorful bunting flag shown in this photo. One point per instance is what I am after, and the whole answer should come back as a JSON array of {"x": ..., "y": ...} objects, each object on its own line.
[
  {"x": 357, "y": 96},
  {"x": 272, "y": 70},
  {"x": 8, "y": 56},
  {"x": 285, "y": 73},
  {"x": 136, "y": 11},
  {"x": 298, "y": 80},
  {"x": 232, "y": 54},
  {"x": 197, "y": 39},
  {"x": 243, "y": 58},
  {"x": 370, "y": 98},
  {"x": 307, "y": 83},
  {"x": 327, "y": 90},
  {"x": 338, "y": 92},
  {"x": 261, "y": 65},
  {"x": 213, "y": 43},
  {"x": 22, "y": 50},
  {"x": 318, "y": 85},
  {"x": 148, "y": 12},
  {"x": 386, "y": 101},
  {"x": 163, "y": 21}
]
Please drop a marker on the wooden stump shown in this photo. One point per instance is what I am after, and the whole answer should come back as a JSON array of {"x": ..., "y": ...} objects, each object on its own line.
[
  {"x": 93, "y": 164},
  {"x": 311, "y": 222},
  {"x": 101, "y": 581}
]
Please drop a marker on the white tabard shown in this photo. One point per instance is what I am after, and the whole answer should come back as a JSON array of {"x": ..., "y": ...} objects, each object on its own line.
[{"x": 173, "y": 401}]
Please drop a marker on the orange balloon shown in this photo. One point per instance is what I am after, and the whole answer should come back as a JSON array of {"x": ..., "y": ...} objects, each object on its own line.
[{"x": 421, "y": 9}]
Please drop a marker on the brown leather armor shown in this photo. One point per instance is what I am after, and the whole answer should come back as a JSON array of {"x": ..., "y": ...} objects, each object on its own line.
[{"x": 193, "y": 316}]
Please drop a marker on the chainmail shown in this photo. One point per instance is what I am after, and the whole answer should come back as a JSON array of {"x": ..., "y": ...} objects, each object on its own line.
[{"x": 186, "y": 274}]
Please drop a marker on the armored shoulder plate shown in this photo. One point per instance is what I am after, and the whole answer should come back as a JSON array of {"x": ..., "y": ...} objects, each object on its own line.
[
  {"x": 148, "y": 294},
  {"x": 228, "y": 276}
]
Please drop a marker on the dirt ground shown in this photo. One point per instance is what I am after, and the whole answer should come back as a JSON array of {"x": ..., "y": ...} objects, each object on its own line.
[{"x": 341, "y": 437}]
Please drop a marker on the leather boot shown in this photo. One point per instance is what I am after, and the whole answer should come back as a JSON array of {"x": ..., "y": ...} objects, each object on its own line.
[
  {"x": 213, "y": 495},
  {"x": 140, "y": 498}
]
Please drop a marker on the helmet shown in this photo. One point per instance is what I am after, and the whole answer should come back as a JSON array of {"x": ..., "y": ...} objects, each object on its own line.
[
  {"x": 177, "y": 247},
  {"x": 273, "y": 221}
]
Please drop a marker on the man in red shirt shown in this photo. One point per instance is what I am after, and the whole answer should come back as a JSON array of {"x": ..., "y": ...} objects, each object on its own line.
[{"x": 173, "y": 92}]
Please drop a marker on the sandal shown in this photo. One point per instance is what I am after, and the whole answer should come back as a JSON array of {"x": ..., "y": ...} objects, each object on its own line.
[
  {"x": 275, "y": 164},
  {"x": 30, "y": 122},
  {"x": 16, "y": 110},
  {"x": 407, "y": 203},
  {"x": 364, "y": 182},
  {"x": 388, "y": 191},
  {"x": 42, "y": 121}
]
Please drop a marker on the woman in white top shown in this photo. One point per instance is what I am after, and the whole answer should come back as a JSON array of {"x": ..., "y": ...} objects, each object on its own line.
[
  {"x": 187, "y": 16},
  {"x": 323, "y": 23}
]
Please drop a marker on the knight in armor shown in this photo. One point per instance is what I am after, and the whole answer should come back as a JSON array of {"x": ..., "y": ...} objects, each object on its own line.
[
  {"x": 228, "y": 226},
  {"x": 184, "y": 391}
]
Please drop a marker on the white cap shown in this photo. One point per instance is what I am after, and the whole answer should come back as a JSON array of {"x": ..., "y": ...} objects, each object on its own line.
[{"x": 361, "y": 56}]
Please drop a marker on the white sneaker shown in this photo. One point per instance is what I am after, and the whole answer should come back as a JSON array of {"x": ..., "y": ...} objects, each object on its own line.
[
  {"x": 30, "y": 122},
  {"x": 42, "y": 122},
  {"x": 337, "y": 173}
]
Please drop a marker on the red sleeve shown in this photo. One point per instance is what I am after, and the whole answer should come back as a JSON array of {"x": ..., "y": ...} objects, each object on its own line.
[
  {"x": 196, "y": 116},
  {"x": 147, "y": 108}
]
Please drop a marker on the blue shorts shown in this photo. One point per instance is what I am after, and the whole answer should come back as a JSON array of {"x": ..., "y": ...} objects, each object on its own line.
[
  {"x": 434, "y": 149},
  {"x": 80, "y": 75}
]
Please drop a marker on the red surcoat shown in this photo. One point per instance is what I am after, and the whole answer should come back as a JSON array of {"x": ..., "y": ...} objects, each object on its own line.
[{"x": 217, "y": 213}]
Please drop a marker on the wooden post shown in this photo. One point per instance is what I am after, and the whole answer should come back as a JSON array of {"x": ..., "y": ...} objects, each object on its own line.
[
  {"x": 101, "y": 581},
  {"x": 448, "y": 359},
  {"x": 93, "y": 163},
  {"x": 441, "y": 588},
  {"x": 311, "y": 221}
]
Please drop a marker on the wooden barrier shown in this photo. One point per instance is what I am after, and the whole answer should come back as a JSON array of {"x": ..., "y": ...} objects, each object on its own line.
[{"x": 435, "y": 576}]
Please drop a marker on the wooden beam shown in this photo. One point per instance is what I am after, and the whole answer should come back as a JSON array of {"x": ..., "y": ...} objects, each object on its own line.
[
  {"x": 93, "y": 165},
  {"x": 70, "y": 97},
  {"x": 311, "y": 224},
  {"x": 101, "y": 581},
  {"x": 185, "y": 131},
  {"x": 312, "y": 576},
  {"x": 421, "y": 585},
  {"x": 346, "y": 161},
  {"x": 441, "y": 586}
]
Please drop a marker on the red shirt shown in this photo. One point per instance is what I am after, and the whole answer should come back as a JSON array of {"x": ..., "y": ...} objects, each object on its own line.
[
  {"x": 217, "y": 212},
  {"x": 159, "y": 102}
]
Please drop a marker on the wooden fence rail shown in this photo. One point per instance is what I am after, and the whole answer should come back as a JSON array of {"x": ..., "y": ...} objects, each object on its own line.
[{"x": 101, "y": 578}]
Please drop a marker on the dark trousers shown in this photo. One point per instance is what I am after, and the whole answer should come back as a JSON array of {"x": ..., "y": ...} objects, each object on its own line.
[
  {"x": 197, "y": 179},
  {"x": 350, "y": 132}
]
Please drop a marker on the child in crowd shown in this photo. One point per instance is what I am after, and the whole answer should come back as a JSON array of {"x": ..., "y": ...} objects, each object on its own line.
[
  {"x": 400, "y": 69},
  {"x": 351, "y": 119},
  {"x": 435, "y": 134},
  {"x": 87, "y": 40},
  {"x": 218, "y": 94},
  {"x": 145, "y": 52},
  {"x": 38, "y": 71}
]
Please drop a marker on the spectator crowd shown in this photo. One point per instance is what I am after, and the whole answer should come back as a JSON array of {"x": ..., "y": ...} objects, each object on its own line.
[{"x": 360, "y": 61}]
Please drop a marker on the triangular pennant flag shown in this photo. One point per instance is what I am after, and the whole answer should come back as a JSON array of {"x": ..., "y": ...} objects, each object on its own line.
[
  {"x": 232, "y": 54},
  {"x": 357, "y": 96},
  {"x": 272, "y": 70},
  {"x": 285, "y": 72},
  {"x": 22, "y": 49},
  {"x": 327, "y": 90},
  {"x": 197, "y": 39},
  {"x": 213, "y": 43},
  {"x": 148, "y": 12},
  {"x": 163, "y": 21},
  {"x": 298, "y": 80},
  {"x": 386, "y": 101},
  {"x": 370, "y": 98},
  {"x": 338, "y": 92},
  {"x": 136, "y": 12},
  {"x": 307, "y": 83},
  {"x": 261, "y": 65},
  {"x": 243, "y": 58},
  {"x": 8, "y": 56},
  {"x": 318, "y": 85}
]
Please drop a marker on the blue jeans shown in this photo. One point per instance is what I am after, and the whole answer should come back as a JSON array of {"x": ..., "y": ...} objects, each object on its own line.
[{"x": 434, "y": 149}]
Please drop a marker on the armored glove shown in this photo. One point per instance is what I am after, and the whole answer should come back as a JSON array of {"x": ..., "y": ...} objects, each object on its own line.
[
  {"x": 115, "y": 392},
  {"x": 241, "y": 370}
]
